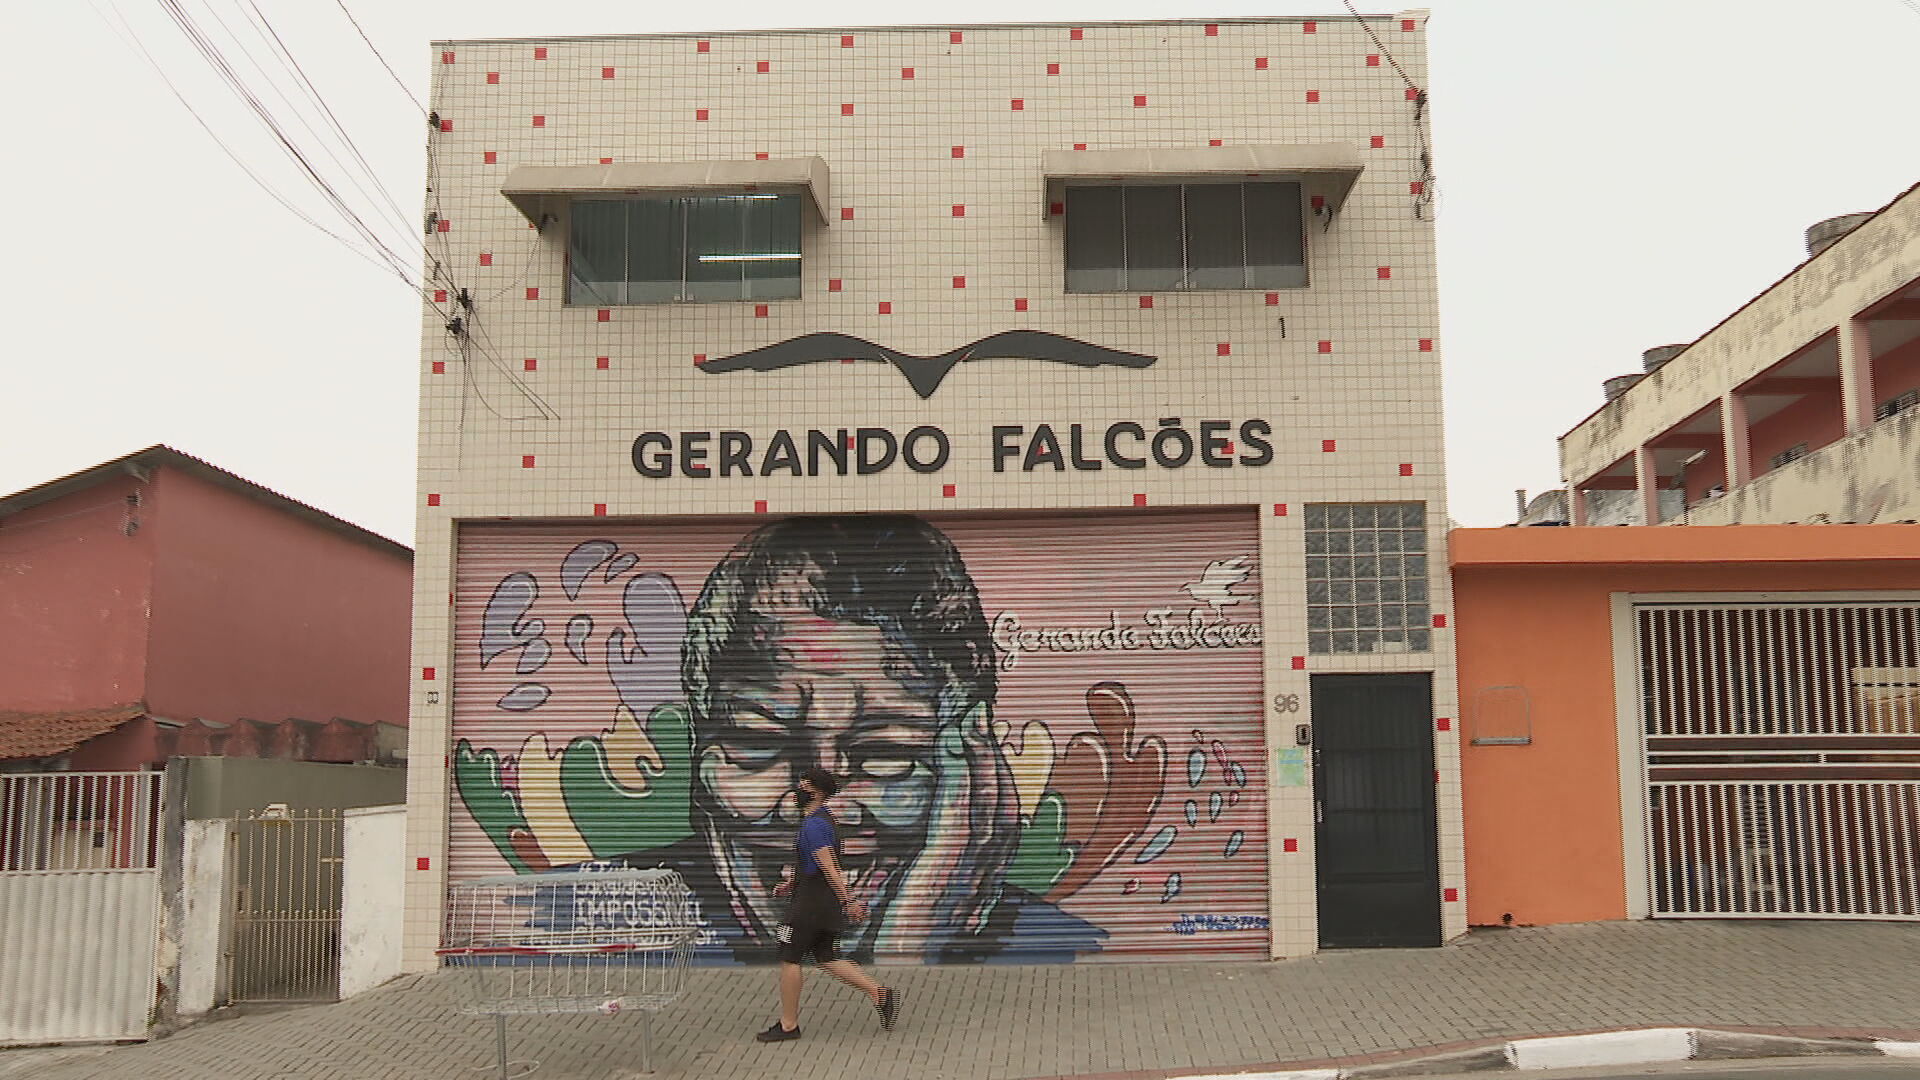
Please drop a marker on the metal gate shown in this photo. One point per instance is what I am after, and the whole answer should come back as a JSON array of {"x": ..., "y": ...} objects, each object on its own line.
[
  {"x": 283, "y": 869},
  {"x": 79, "y": 905},
  {"x": 1782, "y": 758}
]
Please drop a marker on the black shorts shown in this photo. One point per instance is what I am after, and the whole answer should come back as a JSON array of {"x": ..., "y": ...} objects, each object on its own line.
[{"x": 797, "y": 942}]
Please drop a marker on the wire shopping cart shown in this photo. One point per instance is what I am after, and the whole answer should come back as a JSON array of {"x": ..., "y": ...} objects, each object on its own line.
[{"x": 606, "y": 941}]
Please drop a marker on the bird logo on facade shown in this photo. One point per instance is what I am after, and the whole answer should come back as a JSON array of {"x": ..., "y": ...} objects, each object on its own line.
[{"x": 1215, "y": 587}]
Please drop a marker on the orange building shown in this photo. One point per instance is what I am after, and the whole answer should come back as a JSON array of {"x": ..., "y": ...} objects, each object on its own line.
[{"x": 1689, "y": 722}]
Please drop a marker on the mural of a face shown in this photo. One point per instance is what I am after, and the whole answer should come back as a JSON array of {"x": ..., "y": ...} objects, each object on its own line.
[{"x": 856, "y": 645}]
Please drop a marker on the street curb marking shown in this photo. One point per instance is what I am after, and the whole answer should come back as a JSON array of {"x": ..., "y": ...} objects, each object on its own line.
[
  {"x": 1889, "y": 1048},
  {"x": 1643, "y": 1047}
]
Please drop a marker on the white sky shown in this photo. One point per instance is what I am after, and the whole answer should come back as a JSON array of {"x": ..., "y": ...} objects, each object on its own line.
[{"x": 1614, "y": 175}]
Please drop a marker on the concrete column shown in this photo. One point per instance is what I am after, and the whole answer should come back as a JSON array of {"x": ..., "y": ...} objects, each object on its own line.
[
  {"x": 1646, "y": 479},
  {"x": 1733, "y": 431},
  {"x": 1856, "y": 375},
  {"x": 1576, "y": 505}
]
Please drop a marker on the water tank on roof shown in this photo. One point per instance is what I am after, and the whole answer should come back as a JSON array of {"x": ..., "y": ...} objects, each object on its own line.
[
  {"x": 1655, "y": 358},
  {"x": 1822, "y": 234},
  {"x": 1618, "y": 385}
]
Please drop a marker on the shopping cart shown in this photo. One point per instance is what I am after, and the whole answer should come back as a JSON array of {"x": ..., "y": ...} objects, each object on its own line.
[{"x": 606, "y": 941}]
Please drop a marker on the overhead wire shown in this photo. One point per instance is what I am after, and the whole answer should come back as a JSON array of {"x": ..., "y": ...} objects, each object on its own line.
[
  {"x": 1427, "y": 192},
  {"x": 371, "y": 47}
]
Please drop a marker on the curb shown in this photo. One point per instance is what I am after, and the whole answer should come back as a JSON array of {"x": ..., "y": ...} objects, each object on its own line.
[{"x": 1629, "y": 1047}]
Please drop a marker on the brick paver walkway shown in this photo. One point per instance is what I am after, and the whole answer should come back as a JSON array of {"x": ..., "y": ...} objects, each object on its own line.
[{"x": 1003, "y": 1022}]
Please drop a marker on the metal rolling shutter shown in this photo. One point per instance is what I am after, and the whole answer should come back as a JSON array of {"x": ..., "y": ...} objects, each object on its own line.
[{"x": 1070, "y": 767}]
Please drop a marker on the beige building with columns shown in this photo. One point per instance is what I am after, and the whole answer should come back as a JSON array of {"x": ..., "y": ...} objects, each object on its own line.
[
  {"x": 1038, "y": 426},
  {"x": 1799, "y": 407}
]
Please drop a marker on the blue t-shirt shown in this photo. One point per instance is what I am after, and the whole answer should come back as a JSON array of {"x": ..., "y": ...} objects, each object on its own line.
[{"x": 816, "y": 832}]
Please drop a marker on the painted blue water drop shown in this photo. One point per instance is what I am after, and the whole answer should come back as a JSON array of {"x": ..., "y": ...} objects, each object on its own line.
[
  {"x": 1196, "y": 767},
  {"x": 1157, "y": 846},
  {"x": 1172, "y": 888},
  {"x": 1237, "y": 775},
  {"x": 1238, "y": 838},
  {"x": 1214, "y": 805},
  {"x": 1193, "y": 812}
]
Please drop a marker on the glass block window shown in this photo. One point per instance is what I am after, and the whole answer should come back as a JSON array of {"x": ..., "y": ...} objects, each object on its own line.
[
  {"x": 693, "y": 249},
  {"x": 1367, "y": 578}
]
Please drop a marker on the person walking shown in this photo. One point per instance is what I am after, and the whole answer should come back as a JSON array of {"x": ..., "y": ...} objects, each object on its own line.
[{"x": 820, "y": 905}]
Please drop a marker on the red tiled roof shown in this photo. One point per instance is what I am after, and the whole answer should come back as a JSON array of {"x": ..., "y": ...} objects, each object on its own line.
[{"x": 34, "y": 734}]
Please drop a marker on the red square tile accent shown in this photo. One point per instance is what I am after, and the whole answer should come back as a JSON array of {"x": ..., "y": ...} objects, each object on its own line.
[
  {"x": 1444, "y": 723},
  {"x": 760, "y": 155},
  {"x": 703, "y": 46},
  {"x": 1279, "y": 509},
  {"x": 1299, "y": 663},
  {"x": 533, "y": 292},
  {"x": 446, "y": 124},
  {"x": 1418, "y": 187},
  {"x": 1139, "y": 101},
  {"x": 1373, "y": 60},
  {"x": 428, "y": 674},
  {"x": 1329, "y": 446},
  {"x": 1053, "y": 69},
  {"x": 956, "y": 38},
  {"x": 439, "y": 296},
  {"x": 759, "y": 506},
  {"x": 446, "y": 58},
  {"x": 846, "y": 213},
  {"x": 531, "y": 363},
  {"x": 906, "y": 73},
  {"x": 493, "y": 78},
  {"x": 833, "y": 284},
  {"x": 1259, "y": 63},
  {"x": 1450, "y": 895},
  {"x": 422, "y": 862},
  {"x": 491, "y": 157},
  {"x": 886, "y": 307},
  {"x": 1019, "y": 303},
  {"x": 1213, "y": 142},
  {"x": 1213, "y": 29},
  {"x": 700, "y": 114},
  {"x": 1413, "y": 93},
  {"x": 433, "y": 498},
  {"x": 1439, "y": 621},
  {"x": 1290, "y": 845},
  {"x": 846, "y": 41},
  {"x": 599, "y": 509},
  {"x": 1383, "y": 272},
  {"x": 1326, "y": 346},
  {"x": 602, "y": 363},
  {"x": 1079, "y": 146},
  {"x": 1224, "y": 348},
  {"x": 846, "y": 108},
  {"x": 603, "y": 315},
  {"x": 1406, "y": 468},
  {"x": 1406, "y": 25},
  {"x": 946, "y": 491},
  {"x": 526, "y": 461},
  {"x": 763, "y": 67},
  {"x": 1378, "y": 141},
  {"x": 1309, "y": 27},
  {"x": 486, "y": 258},
  {"x": 1426, "y": 344},
  {"x": 1019, "y": 104},
  {"x": 540, "y": 52},
  {"x": 1139, "y": 498},
  {"x": 959, "y": 281},
  {"x": 759, "y": 311},
  {"x": 1313, "y": 96},
  {"x": 439, "y": 367},
  {"x": 1318, "y": 202},
  {"x": 606, "y": 73},
  {"x": 1273, "y": 299},
  {"x": 1056, "y": 209},
  {"x": 1229, "y": 450},
  {"x": 958, "y": 151},
  {"x": 539, "y": 121},
  {"x": 443, "y": 225},
  {"x": 959, "y": 210},
  {"x": 606, "y": 161},
  {"x": 848, "y": 360},
  {"x": 1076, "y": 34},
  {"x": 699, "y": 358}
]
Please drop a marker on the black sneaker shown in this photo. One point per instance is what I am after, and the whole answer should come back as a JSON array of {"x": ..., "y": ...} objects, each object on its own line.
[
  {"x": 888, "y": 1006},
  {"x": 776, "y": 1033}
]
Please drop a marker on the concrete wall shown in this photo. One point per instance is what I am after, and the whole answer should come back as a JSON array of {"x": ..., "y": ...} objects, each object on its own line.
[
  {"x": 372, "y": 890},
  {"x": 74, "y": 590},
  {"x": 203, "y": 926},
  {"x": 221, "y": 787},
  {"x": 1867, "y": 478},
  {"x": 260, "y": 614},
  {"x": 1543, "y": 820}
]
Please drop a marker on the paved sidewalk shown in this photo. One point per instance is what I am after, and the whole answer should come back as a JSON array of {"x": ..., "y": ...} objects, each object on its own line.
[{"x": 1003, "y": 1022}]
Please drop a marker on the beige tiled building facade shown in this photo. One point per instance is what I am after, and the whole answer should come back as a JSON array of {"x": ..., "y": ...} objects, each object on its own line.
[{"x": 1037, "y": 426}]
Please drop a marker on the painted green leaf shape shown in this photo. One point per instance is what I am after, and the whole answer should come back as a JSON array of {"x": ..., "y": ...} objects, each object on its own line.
[
  {"x": 476, "y": 773},
  {"x": 615, "y": 820},
  {"x": 1041, "y": 857}
]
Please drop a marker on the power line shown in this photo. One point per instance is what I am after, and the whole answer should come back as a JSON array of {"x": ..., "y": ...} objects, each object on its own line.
[{"x": 397, "y": 81}]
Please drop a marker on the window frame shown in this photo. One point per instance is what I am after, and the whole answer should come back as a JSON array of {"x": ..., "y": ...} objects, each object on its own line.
[
  {"x": 681, "y": 206},
  {"x": 1187, "y": 270}
]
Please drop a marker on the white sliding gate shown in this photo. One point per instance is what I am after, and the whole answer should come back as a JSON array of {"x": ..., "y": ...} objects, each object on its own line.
[
  {"x": 1782, "y": 758},
  {"x": 79, "y": 905}
]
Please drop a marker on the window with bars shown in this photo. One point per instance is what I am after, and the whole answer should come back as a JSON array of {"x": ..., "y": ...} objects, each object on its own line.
[
  {"x": 1896, "y": 405},
  {"x": 1788, "y": 456},
  {"x": 1367, "y": 578},
  {"x": 684, "y": 249},
  {"x": 1173, "y": 237}
]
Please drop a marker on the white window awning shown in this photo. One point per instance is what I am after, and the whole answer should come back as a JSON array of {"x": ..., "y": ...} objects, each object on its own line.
[
  {"x": 532, "y": 188},
  {"x": 1327, "y": 170}
]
